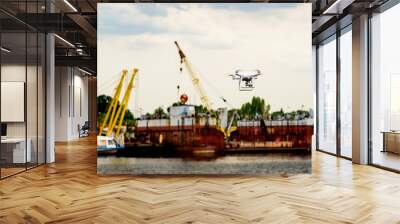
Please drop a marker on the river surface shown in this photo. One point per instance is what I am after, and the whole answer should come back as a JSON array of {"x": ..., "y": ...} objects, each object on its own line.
[{"x": 254, "y": 164}]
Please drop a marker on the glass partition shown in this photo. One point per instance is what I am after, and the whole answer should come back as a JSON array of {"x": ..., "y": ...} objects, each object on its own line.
[
  {"x": 327, "y": 95},
  {"x": 14, "y": 153},
  {"x": 31, "y": 97},
  {"x": 22, "y": 77}
]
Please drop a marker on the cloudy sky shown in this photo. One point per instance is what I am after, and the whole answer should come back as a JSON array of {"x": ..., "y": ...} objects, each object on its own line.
[{"x": 217, "y": 39}]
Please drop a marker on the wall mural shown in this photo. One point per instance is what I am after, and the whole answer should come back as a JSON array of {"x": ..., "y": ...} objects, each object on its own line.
[{"x": 204, "y": 88}]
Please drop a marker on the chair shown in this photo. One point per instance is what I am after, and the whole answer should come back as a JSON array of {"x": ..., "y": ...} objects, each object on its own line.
[{"x": 84, "y": 130}]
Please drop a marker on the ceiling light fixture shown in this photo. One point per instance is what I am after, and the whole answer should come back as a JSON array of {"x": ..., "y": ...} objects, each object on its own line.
[
  {"x": 80, "y": 51},
  {"x": 70, "y": 5},
  {"x": 337, "y": 7},
  {"x": 84, "y": 71},
  {"x": 5, "y": 50},
  {"x": 64, "y": 40}
]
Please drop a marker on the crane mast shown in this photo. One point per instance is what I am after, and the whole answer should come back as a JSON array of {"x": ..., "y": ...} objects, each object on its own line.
[
  {"x": 122, "y": 108},
  {"x": 195, "y": 79},
  {"x": 203, "y": 97},
  {"x": 113, "y": 105},
  {"x": 116, "y": 113}
]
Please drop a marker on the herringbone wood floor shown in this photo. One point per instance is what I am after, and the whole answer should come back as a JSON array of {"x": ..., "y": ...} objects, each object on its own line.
[{"x": 70, "y": 191}]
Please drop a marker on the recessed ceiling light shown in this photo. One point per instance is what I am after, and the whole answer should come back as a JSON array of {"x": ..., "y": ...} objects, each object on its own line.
[
  {"x": 5, "y": 50},
  {"x": 84, "y": 71}
]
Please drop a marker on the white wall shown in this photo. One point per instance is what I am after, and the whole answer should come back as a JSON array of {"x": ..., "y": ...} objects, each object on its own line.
[
  {"x": 71, "y": 102},
  {"x": 12, "y": 73},
  {"x": 62, "y": 83}
]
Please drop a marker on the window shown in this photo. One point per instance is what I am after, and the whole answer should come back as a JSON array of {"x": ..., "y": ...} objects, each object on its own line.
[
  {"x": 346, "y": 92},
  {"x": 327, "y": 96},
  {"x": 385, "y": 89},
  {"x": 394, "y": 102}
]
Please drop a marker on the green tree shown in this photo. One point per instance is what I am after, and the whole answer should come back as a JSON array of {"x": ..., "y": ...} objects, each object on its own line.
[
  {"x": 103, "y": 102},
  {"x": 303, "y": 113},
  {"x": 200, "y": 109},
  {"x": 177, "y": 104},
  {"x": 148, "y": 115},
  {"x": 213, "y": 113},
  {"x": 278, "y": 114},
  {"x": 256, "y": 108},
  {"x": 159, "y": 113}
]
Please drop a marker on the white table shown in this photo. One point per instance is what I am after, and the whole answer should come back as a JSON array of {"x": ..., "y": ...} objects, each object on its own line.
[{"x": 19, "y": 153}]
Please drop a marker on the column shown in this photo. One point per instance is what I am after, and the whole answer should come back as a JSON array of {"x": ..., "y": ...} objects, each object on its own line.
[{"x": 360, "y": 90}]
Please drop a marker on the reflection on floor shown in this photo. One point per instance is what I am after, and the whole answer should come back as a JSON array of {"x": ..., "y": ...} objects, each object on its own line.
[
  {"x": 10, "y": 171},
  {"x": 387, "y": 159}
]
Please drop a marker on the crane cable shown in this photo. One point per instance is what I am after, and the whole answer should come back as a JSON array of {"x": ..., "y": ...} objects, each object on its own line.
[
  {"x": 216, "y": 91},
  {"x": 189, "y": 66}
]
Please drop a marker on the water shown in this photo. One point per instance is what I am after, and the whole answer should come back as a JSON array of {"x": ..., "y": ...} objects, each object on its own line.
[{"x": 253, "y": 164}]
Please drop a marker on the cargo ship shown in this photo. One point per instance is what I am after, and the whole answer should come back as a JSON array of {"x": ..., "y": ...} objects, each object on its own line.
[{"x": 186, "y": 133}]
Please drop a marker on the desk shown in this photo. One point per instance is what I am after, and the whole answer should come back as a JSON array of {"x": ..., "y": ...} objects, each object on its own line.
[
  {"x": 15, "y": 148},
  {"x": 391, "y": 141}
]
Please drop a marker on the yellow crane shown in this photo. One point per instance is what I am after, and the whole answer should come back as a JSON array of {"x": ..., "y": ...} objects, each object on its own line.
[
  {"x": 203, "y": 97},
  {"x": 230, "y": 127},
  {"x": 113, "y": 105},
  {"x": 194, "y": 77},
  {"x": 122, "y": 108},
  {"x": 113, "y": 114}
]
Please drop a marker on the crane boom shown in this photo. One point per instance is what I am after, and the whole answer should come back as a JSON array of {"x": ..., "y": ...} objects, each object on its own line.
[
  {"x": 230, "y": 127},
  {"x": 122, "y": 108},
  {"x": 203, "y": 97},
  {"x": 195, "y": 79},
  {"x": 113, "y": 105}
]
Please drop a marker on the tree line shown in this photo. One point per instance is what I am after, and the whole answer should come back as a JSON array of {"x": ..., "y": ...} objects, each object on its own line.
[{"x": 256, "y": 108}]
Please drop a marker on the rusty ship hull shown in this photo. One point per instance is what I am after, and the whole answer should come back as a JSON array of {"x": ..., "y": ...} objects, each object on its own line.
[{"x": 196, "y": 139}]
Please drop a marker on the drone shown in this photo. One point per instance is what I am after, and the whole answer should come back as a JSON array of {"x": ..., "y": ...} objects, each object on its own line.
[{"x": 246, "y": 78}]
